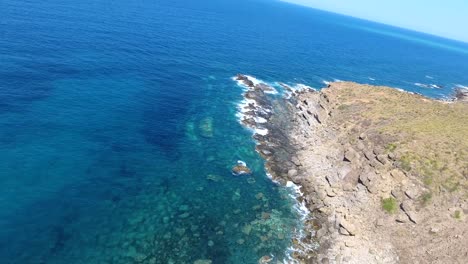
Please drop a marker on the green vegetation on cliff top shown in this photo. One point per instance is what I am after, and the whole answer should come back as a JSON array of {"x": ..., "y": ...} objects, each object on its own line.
[{"x": 429, "y": 138}]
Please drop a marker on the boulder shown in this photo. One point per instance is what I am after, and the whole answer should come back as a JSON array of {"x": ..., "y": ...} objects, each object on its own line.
[
  {"x": 378, "y": 151},
  {"x": 295, "y": 160},
  {"x": 368, "y": 154},
  {"x": 351, "y": 155},
  {"x": 343, "y": 231},
  {"x": 321, "y": 115},
  {"x": 241, "y": 169},
  {"x": 382, "y": 159},
  {"x": 409, "y": 211},
  {"x": 360, "y": 145},
  {"x": 266, "y": 152},
  {"x": 412, "y": 192},
  {"x": 292, "y": 173},
  {"x": 398, "y": 194},
  {"x": 369, "y": 179},
  {"x": 350, "y": 228},
  {"x": 397, "y": 175},
  {"x": 352, "y": 177},
  {"x": 401, "y": 218}
]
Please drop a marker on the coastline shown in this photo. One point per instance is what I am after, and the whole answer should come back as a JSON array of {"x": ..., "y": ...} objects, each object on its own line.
[{"x": 344, "y": 171}]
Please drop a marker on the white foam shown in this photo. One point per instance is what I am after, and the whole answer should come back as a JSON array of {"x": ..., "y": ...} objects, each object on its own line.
[
  {"x": 461, "y": 86},
  {"x": 421, "y": 85},
  {"x": 301, "y": 207},
  {"x": 370, "y": 78},
  {"x": 240, "y": 83},
  {"x": 282, "y": 85},
  {"x": 296, "y": 188},
  {"x": 302, "y": 87},
  {"x": 244, "y": 106},
  {"x": 260, "y": 120},
  {"x": 271, "y": 178},
  {"x": 261, "y": 131},
  {"x": 304, "y": 212},
  {"x": 242, "y": 163},
  {"x": 404, "y": 91},
  {"x": 429, "y": 77},
  {"x": 254, "y": 80},
  {"x": 334, "y": 80}
]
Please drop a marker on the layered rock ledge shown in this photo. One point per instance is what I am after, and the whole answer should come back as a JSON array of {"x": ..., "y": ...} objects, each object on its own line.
[{"x": 383, "y": 172}]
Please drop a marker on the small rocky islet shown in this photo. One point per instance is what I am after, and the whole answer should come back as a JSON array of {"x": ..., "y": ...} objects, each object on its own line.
[{"x": 371, "y": 162}]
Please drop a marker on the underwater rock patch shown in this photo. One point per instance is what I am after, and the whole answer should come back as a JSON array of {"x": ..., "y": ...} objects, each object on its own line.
[{"x": 206, "y": 127}]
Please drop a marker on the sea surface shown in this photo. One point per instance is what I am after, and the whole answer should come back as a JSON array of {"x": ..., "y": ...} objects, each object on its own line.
[{"x": 118, "y": 126}]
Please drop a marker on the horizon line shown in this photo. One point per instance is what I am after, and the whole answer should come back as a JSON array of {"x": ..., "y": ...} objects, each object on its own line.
[{"x": 461, "y": 41}]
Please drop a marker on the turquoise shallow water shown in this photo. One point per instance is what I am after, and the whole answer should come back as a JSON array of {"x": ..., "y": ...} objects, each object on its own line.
[{"x": 118, "y": 124}]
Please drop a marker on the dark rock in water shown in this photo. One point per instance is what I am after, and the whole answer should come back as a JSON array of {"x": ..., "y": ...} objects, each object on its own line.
[
  {"x": 250, "y": 95},
  {"x": 260, "y": 138},
  {"x": 286, "y": 87},
  {"x": 241, "y": 169},
  {"x": 249, "y": 83},
  {"x": 245, "y": 80},
  {"x": 249, "y": 122},
  {"x": 264, "y": 87},
  {"x": 264, "y": 150},
  {"x": 241, "y": 77}
]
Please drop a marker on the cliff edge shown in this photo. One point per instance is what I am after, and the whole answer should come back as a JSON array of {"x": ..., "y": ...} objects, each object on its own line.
[{"x": 386, "y": 171}]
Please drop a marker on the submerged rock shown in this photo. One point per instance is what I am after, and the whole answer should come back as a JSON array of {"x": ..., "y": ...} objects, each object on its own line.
[
  {"x": 214, "y": 178},
  {"x": 236, "y": 196},
  {"x": 247, "y": 229},
  {"x": 202, "y": 261},
  {"x": 206, "y": 127},
  {"x": 184, "y": 215}
]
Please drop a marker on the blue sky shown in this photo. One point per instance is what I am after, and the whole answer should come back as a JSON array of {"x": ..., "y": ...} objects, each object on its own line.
[{"x": 447, "y": 18}]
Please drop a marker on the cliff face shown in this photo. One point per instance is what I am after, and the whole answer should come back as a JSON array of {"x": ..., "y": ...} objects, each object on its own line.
[
  {"x": 386, "y": 172},
  {"x": 383, "y": 172}
]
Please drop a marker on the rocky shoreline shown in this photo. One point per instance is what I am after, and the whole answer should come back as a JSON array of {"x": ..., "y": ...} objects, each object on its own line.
[{"x": 366, "y": 205}]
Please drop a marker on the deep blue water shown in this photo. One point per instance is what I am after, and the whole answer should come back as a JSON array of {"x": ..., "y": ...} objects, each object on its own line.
[{"x": 114, "y": 116}]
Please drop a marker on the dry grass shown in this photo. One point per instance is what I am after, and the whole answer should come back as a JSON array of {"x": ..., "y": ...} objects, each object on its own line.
[{"x": 430, "y": 138}]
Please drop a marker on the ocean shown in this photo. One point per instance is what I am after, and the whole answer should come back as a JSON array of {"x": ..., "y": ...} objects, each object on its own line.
[{"x": 119, "y": 121}]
